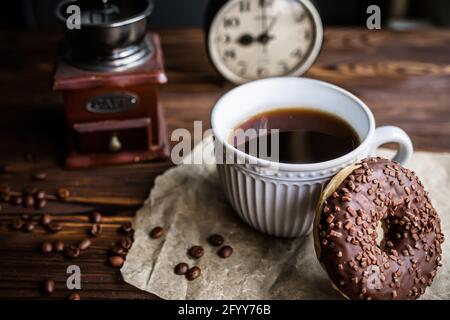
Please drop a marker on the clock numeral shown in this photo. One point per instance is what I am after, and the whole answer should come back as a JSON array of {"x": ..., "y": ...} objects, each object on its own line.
[
  {"x": 226, "y": 39},
  {"x": 302, "y": 16},
  {"x": 229, "y": 54},
  {"x": 261, "y": 72},
  {"x": 265, "y": 3},
  {"x": 244, "y": 6},
  {"x": 242, "y": 67},
  {"x": 297, "y": 53},
  {"x": 284, "y": 67},
  {"x": 307, "y": 35},
  {"x": 231, "y": 22}
]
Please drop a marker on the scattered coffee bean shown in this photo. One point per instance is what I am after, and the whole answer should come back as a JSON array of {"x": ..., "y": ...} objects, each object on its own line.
[
  {"x": 26, "y": 216},
  {"x": 156, "y": 232},
  {"x": 84, "y": 244},
  {"x": 193, "y": 273},
  {"x": 39, "y": 176},
  {"x": 126, "y": 227},
  {"x": 74, "y": 296},
  {"x": 72, "y": 252},
  {"x": 96, "y": 230},
  {"x": 39, "y": 195},
  {"x": 116, "y": 261},
  {"x": 63, "y": 193},
  {"x": 59, "y": 246},
  {"x": 126, "y": 243},
  {"x": 46, "y": 247},
  {"x": 118, "y": 251},
  {"x": 16, "y": 224},
  {"x": 16, "y": 200},
  {"x": 40, "y": 204},
  {"x": 46, "y": 219},
  {"x": 96, "y": 217},
  {"x": 28, "y": 227},
  {"x": 54, "y": 226},
  {"x": 196, "y": 252},
  {"x": 225, "y": 252},
  {"x": 49, "y": 286},
  {"x": 28, "y": 201},
  {"x": 181, "y": 268},
  {"x": 215, "y": 240}
]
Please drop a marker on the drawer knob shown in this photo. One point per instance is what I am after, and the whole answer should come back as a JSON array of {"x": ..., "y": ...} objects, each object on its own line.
[{"x": 114, "y": 144}]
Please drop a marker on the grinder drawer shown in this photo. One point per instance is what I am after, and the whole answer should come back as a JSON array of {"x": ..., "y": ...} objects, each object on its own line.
[{"x": 112, "y": 136}]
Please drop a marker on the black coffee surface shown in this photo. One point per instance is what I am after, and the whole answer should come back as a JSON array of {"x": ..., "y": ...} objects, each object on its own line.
[{"x": 305, "y": 135}]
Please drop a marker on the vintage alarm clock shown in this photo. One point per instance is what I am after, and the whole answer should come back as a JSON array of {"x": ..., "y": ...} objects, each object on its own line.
[
  {"x": 254, "y": 39},
  {"x": 109, "y": 72}
]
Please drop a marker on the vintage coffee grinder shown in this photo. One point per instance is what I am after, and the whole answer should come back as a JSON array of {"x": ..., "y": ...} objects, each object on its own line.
[{"x": 109, "y": 73}]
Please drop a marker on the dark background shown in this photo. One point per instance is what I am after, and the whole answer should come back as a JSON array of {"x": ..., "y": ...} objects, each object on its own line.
[{"x": 29, "y": 14}]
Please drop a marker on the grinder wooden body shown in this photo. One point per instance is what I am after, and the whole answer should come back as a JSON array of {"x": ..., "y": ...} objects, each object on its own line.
[{"x": 114, "y": 117}]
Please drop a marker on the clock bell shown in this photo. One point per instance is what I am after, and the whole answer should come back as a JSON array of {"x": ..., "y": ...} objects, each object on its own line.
[{"x": 109, "y": 72}]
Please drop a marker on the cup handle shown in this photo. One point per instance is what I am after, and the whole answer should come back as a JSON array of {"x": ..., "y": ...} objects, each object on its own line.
[{"x": 390, "y": 134}]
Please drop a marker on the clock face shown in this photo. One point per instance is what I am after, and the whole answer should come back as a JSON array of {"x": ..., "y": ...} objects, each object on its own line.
[{"x": 253, "y": 39}]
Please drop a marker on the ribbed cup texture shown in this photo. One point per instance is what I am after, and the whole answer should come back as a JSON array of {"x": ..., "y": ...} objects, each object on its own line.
[{"x": 278, "y": 207}]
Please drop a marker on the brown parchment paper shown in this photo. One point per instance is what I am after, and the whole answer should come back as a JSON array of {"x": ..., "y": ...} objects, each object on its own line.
[{"x": 189, "y": 203}]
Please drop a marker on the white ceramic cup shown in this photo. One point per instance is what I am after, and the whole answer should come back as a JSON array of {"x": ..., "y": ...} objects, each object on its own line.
[{"x": 281, "y": 202}]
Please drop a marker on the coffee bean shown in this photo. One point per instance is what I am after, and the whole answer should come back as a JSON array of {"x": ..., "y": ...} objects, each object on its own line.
[
  {"x": 193, "y": 273},
  {"x": 63, "y": 193},
  {"x": 196, "y": 252},
  {"x": 39, "y": 176},
  {"x": 40, "y": 204},
  {"x": 118, "y": 251},
  {"x": 84, "y": 244},
  {"x": 26, "y": 217},
  {"x": 72, "y": 252},
  {"x": 215, "y": 240},
  {"x": 54, "y": 226},
  {"x": 96, "y": 230},
  {"x": 74, "y": 296},
  {"x": 46, "y": 247},
  {"x": 46, "y": 219},
  {"x": 156, "y": 232},
  {"x": 225, "y": 252},
  {"x": 181, "y": 268},
  {"x": 126, "y": 227},
  {"x": 28, "y": 201},
  {"x": 49, "y": 286},
  {"x": 126, "y": 243},
  {"x": 16, "y": 200},
  {"x": 16, "y": 224},
  {"x": 39, "y": 195},
  {"x": 59, "y": 246},
  {"x": 116, "y": 261},
  {"x": 28, "y": 227},
  {"x": 96, "y": 217}
]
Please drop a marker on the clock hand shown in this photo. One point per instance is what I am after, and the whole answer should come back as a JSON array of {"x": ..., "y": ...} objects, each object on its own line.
[
  {"x": 264, "y": 37},
  {"x": 245, "y": 39}
]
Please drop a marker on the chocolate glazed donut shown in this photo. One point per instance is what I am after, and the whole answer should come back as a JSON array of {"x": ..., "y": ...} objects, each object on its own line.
[{"x": 353, "y": 205}]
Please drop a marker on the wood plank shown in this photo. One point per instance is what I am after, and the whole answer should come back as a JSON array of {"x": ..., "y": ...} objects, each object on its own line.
[{"x": 403, "y": 76}]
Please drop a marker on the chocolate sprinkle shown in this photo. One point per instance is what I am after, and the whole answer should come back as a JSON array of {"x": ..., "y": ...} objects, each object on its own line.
[{"x": 380, "y": 191}]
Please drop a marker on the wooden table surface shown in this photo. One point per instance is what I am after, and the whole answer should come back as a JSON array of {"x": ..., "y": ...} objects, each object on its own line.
[{"x": 403, "y": 77}]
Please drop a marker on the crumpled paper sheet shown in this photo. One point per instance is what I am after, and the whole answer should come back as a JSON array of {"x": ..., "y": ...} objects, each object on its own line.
[{"x": 189, "y": 203}]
